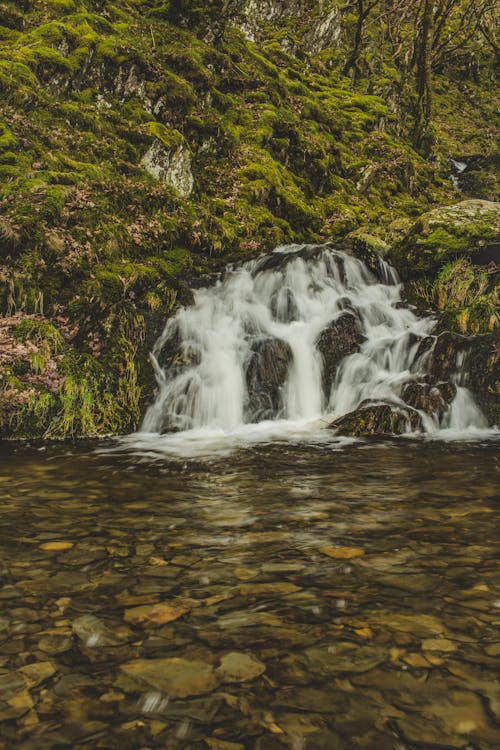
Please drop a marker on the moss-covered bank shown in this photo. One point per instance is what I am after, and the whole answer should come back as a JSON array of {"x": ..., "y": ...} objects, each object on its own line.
[{"x": 143, "y": 143}]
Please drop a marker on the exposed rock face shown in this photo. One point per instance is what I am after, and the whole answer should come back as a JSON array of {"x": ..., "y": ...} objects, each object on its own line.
[
  {"x": 171, "y": 166},
  {"x": 369, "y": 249},
  {"x": 473, "y": 360},
  {"x": 255, "y": 12},
  {"x": 176, "y": 353},
  {"x": 326, "y": 31},
  {"x": 432, "y": 399},
  {"x": 470, "y": 228},
  {"x": 266, "y": 375},
  {"x": 339, "y": 339},
  {"x": 377, "y": 419}
]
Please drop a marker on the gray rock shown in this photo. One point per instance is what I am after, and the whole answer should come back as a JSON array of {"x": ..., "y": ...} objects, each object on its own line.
[
  {"x": 338, "y": 340},
  {"x": 266, "y": 374}
]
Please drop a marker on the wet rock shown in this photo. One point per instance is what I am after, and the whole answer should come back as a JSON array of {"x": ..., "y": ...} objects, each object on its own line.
[
  {"x": 174, "y": 354},
  {"x": 344, "y": 656},
  {"x": 474, "y": 361},
  {"x": 55, "y": 643},
  {"x": 179, "y": 678},
  {"x": 283, "y": 306},
  {"x": 457, "y": 715},
  {"x": 279, "y": 260},
  {"x": 240, "y": 667},
  {"x": 37, "y": 672},
  {"x": 369, "y": 249},
  {"x": 338, "y": 340},
  {"x": 56, "y": 546},
  {"x": 312, "y": 699},
  {"x": 216, "y": 744},
  {"x": 266, "y": 374},
  {"x": 342, "y": 553},
  {"x": 94, "y": 633},
  {"x": 156, "y": 614},
  {"x": 268, "y": 589},
  {"x": 432, "y": 399},
  {"x": 71, "y": 685},
  {"x": 379, "y": 419}
]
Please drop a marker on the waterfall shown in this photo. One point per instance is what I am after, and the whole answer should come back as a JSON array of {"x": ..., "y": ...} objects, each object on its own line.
[{"x": 248, "y": 350}]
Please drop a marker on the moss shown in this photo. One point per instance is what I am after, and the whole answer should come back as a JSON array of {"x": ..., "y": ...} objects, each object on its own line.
[
  {"x": 279, "y": 140},
  {"x": 39, "y": 332}
]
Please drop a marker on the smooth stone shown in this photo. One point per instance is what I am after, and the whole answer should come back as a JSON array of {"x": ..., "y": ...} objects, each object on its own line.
[
  {"x": 272, "y": 589},
  {"x": 240, "y": 667},
  {"x": 56, "y": 546},
  {"x": 179, "y": 678},
  {"x": 438, "y": 644},
  {"x": 37, "y": 672},
  {"x": 312, "y": 699},
  {"x": 55, "y": 644},
  {"x": 93, "y": 632},
  {"x": 156, "y": 614},
  {"x": 342, "y": 553},
  {"x": 11, "y": 684},
  {"x": 215, "y": 744},
  {"x": 345, "y": 657}
]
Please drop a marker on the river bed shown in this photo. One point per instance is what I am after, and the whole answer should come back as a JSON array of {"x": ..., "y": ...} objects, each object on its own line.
[{"x": 309, "y": 596}]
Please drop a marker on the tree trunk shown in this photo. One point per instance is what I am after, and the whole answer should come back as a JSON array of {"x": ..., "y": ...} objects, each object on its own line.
[{"x": 424, "y": 79}]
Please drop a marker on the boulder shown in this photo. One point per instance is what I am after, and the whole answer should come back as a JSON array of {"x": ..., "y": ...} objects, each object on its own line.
[
  {"x": 432, "y": 399},
  {"x": 369, "y": 249},
  {"x": 472, "y": 361},
  {"x": 174, "y": 354},
  {"x": 467, "y": 229},
  {"x": 338, "y": 340},
  {"x": 377, "y": 419},
  {"x": 266, "y": 374}
]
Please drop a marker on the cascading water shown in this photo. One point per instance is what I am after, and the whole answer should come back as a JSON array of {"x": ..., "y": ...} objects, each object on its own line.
[{"x": 247, "y": 351}]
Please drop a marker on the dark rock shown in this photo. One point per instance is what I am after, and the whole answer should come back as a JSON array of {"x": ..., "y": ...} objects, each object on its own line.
[
  {"x": 266, "y": 374},
  {"x": 174, "y": 354},
  {"x": 283, "y": 306},
  {"x": 432, "y": 399},
  {"x": 338, "y": 340},
  {"x": 378, "y": 419},
  {"x": 472, "y": 361},
  {"x": 370, "y": 250},
  {"x": 279, "y": 260}
]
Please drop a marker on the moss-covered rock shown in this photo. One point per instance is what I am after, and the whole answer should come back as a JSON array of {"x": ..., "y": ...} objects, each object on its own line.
[
  {"x": 381, "y": 420},
  {"x": 468, "y": 229}
]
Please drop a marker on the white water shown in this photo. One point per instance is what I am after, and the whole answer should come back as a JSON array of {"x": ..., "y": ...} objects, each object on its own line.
[{"x": 294, "y": 301}]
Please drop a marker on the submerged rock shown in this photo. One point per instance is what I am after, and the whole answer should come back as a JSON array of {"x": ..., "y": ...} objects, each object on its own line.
[
  {"x": 377, "y": 419},
  {"x": 266, "y": 375},
  {"x": 338, "y": 340},
  {"x": 177, "y": 677},
  {"x": 240, "y": 667}
]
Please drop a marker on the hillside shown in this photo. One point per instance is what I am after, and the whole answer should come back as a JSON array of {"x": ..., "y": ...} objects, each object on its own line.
[{"x": 145, "y": 143}]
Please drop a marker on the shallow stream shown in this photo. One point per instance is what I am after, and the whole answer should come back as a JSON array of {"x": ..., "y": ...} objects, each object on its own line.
[{"x": 312, "y": 596}]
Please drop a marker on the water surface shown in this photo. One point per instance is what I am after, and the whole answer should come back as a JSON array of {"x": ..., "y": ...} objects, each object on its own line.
[{"x": 358, "y": 586}]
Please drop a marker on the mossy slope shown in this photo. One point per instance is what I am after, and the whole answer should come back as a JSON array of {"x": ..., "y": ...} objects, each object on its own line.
[{"x": 256, "y": 143}]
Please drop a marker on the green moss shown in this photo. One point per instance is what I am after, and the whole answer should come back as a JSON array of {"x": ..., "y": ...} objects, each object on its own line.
[{"x": 40, "y": 332}]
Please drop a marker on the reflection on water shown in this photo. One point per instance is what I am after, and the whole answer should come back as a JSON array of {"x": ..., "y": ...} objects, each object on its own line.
[{"x": 282, "y": 596}]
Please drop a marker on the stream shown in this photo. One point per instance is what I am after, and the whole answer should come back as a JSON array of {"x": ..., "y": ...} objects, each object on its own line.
[{"x": 309, "y": 594}]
